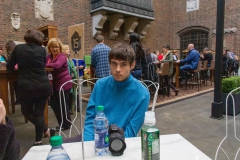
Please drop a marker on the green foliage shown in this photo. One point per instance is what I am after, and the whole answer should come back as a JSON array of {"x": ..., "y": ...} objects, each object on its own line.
[{"x": 229, "y": 84}]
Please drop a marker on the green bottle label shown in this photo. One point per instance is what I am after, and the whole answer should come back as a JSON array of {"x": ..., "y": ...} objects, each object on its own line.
[{"x": 150, "y": 144}]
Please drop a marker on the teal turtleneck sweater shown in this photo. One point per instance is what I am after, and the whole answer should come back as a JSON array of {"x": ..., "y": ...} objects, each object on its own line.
[{"x": 125, "y": 104}]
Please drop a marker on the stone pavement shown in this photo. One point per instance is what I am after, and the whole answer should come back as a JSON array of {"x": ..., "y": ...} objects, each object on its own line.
[{"x": 187, "y": 115}]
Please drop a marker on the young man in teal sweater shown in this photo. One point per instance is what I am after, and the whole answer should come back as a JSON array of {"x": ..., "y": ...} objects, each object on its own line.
[{"x": 124, "y": 98}]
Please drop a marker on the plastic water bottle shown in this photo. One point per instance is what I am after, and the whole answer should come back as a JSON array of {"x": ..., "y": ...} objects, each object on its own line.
[
  {"x": 57, "y": 152},
  {"x": 101, "y": 132},
  {"x": 150, "y": 138}
]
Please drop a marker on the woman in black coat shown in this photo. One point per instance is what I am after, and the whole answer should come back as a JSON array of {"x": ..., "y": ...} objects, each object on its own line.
[{"x": 32, "y": 83}]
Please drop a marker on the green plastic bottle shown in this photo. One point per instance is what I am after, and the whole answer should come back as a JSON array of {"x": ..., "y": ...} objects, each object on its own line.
[{"x": 150, "y": 138}]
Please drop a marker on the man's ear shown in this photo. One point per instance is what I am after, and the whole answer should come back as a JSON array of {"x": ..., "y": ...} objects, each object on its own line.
[{"x": 133, "y": 65}]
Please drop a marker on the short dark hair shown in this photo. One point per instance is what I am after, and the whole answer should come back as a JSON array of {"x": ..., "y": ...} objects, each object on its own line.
[
  {"x": 0, "y": 48},
  {"x": 10, "y": 45},
  {"x": 99, "y": 38},
  {"x": 34, "y": 36},
  {"x": 167, "y": 46},
  {"x": 122, "y": 52}
]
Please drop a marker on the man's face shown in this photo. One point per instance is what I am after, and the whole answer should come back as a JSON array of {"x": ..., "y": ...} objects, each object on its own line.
[
  {"x": 204, "y": 51},
  {"x": 120, "y": 70}
]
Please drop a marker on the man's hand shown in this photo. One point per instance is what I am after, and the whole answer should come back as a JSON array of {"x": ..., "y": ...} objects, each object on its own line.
[
  {"x": 2, "y": 112},
  {"x": 178, "y": 61}
]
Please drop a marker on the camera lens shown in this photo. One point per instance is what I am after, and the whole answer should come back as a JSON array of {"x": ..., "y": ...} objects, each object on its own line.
[{"x": 116, "y": 145}]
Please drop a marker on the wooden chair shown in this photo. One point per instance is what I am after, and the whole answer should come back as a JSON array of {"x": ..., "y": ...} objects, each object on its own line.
[
  {"x": 194, "y": 77},
  {"x": 204, "y": 70},
  {"x": 211, "y": 68},
  {"x": 164, "y": 72}
]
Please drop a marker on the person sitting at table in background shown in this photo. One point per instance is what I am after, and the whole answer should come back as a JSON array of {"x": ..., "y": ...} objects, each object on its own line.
[
  {"x": 140, "y": 69},
  {"x": 2, "y": 57},
  {"x": 57, "y": 60},
  {"x": 155, "y": 56},
  {"x": 207, "y": 55},
  {"x": 191, "y": 62},
  {"x": 10, "y": 45},
  {"x": 32, "y": 82},
  {"x": 73, "y": 74},
  {"x": 9, "y": 48},
  {"x": 168, "y": 57},
  {"x": 124, "y": 98},
  {"x": 99, "y": 57},
  {"x": 9, "y": 146}
]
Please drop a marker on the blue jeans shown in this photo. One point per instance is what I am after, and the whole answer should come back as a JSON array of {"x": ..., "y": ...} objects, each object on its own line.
[{"x": 137, "y": 74}]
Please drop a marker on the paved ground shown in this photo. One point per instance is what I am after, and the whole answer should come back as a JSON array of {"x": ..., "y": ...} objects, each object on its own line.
[{"x": 188, "y": 117}]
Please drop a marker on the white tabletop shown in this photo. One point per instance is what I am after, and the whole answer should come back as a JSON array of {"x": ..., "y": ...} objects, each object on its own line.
[{"x": 172, "y": 147}]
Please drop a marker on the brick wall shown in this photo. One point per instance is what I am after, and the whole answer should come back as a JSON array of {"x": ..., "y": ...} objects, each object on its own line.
[{"x": 170, "y": 18}]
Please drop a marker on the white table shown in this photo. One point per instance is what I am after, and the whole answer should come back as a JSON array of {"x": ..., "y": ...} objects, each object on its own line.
[{"x": 172, "y": 147}]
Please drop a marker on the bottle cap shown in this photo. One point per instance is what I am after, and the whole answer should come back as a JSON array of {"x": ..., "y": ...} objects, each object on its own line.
[
  {"x": 150, "y": 117},
  {"x": 100, "y": 108},
  {"x": 56, "y": 140}
]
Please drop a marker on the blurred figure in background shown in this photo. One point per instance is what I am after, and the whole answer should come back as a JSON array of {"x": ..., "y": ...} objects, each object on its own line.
[
  {"x": 57, "y": 60},
  {"x": 99, "y": 58},
  {"x": 10, "y": 45},
  {"x": 140, "y": 57},
  {"x": 73, "y": 74},
  {"x": 2, "y": 57},
  {"x": 155, "y": 56}
]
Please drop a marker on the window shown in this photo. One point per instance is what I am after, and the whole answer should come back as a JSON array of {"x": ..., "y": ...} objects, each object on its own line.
[{"x": 198, "y": 38}]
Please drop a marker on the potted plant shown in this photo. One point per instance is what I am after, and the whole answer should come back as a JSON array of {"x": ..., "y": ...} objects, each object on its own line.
[{"x": 229, "y": 84}]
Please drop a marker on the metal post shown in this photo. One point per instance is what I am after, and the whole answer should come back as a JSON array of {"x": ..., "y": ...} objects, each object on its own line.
[
  {"x": 80, "y": 104},
  {"x": 217, "y": 104}
]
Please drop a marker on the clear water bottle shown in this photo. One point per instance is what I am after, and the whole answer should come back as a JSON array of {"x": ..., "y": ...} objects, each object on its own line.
[
  {"x": 100, "y": 124},
  {"x": 57, "y": 152}
]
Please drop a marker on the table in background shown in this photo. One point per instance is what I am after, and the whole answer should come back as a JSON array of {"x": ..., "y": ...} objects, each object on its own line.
[
  {"x": 11, "y": 77},
  {"x": 172, "y": 147},
  {"x": 177, "y": 66}
]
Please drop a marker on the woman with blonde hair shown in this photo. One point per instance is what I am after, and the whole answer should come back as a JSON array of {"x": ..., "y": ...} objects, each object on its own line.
[
  {"x": 57, "y": 60},
  {"x": 73, "y": 73}
]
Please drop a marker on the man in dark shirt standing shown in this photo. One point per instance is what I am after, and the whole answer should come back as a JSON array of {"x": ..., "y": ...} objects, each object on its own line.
[{"x": 99, "y": 58}]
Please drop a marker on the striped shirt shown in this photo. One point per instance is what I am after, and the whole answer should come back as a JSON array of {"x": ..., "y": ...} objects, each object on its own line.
[{"x": 99, "y": 60}]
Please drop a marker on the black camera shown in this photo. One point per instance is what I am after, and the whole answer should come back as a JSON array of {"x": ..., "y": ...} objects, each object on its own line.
[{"x": 117, "y": 143}]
